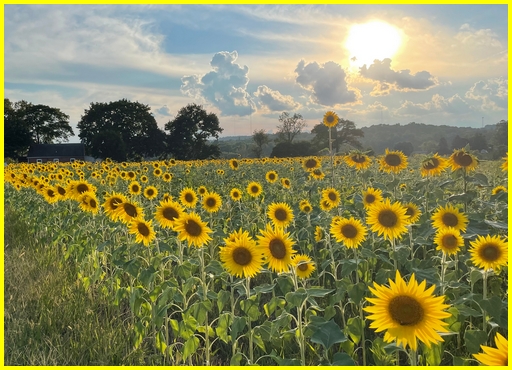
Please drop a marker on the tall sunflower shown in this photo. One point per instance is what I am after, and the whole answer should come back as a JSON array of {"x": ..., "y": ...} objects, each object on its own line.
[
  {"x": 489, "y": 252},
  {"x": 304, "y": 267},
  {"x": 310, "y": 163},
  {"x": 202, "y": 190},
  {"x": 87, "y": 202},
  {"x": 254, "y": 189},
  {"x": 407, "y": 312},
  {"x": 460, "y": 158},
  {"x": 143, "y": 231},
  {"x": 449, "y": 216},
  {"x": 188, "y": 197},
  {"x": 358, "y": 160},
  {"x": 168, "y": 212},
  {"x": 317, "y": 174},
  {"x": 331, "y": 196},
  {"x": 241, "y": 257},
  {"x": 111, "y": 203},
  {"x": 371, "y": 196},
  {"x": 393, "y": 161},
  {"x": 128, "y": 210},
  {"x": 280, "y": 214},
  {"x": 50, "y": 194},
  {"x": 448, "y": 240},
  {"x": 433, "y": 165},
  {"x": 271, "y": 176},
  {"x": 330, "y": 119},
  {"x": 319, "y": 234},
  {"x": 494, "y": 356},
  {"x": 350, "y": 232},
  {"x": 276, "y": 246},
  {"x": 192, "y": 229},
  {"x": 387, "y": 219},
  {"x": 212, "y": 202}
]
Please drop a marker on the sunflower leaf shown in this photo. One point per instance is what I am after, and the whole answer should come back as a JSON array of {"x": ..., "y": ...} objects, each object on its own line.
[
  {"x": 497, "y": 225},
  {"x": 328, "y": 334},
  {"x": 342, "y": 359},
  {"x": 473, "y": 340}
]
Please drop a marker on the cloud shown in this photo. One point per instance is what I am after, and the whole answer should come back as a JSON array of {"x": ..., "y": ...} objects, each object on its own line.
[
  {"x": 326, "y": 83},
  {"x": 225, "y": 86},
  {"x": 453, "y": 105},
  {"x": 482, "y": 37},
  {"x": 491, "y": 94},
  {"x": 274, "y": 101},
  {"x": 403, "y": 80},
  {"x": 164, "y": 111}
]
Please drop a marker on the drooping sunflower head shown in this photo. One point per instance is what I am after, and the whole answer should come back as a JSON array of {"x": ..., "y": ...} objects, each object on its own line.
[
  {"x": 317, "y": 174},
  {"x": 460, "y": 158},
  {"x": 271, "y": 176},
  {"x": 127, "y": 211},
  {"x": 448, "y": 240},
  {"x": 286, "y": 182},
  {"x": 489, "y": 252},
  {"x": 168, "y": 212},
  {"x": 150, "y": 192},
  {"x": 330, "y": 119},
  {"x": 433, "y": 165},
  {"x": 499, "y": 189},
  {"x": 280, "y": 214},
  {"x": 241, "y": 257},
  {"x": 276, "y": 246},
  {"x": 449, "y": 216},
  {"x": 504, "y": 165},
  {"x": 305, "y": 206},
  {"x": 413, "y": 212},
  {"x": 331, "y": 196},
  {"x": 304, "y": 267},
  {"x": 88, "y": 202},
  {"x": 393, "y": 161},
  {"x": 494, "y": 356},
  {"x": 143, "y": 231},
  {"x": 234, "y": 164},
  {"x": 358, "y": 160},
  {"x": 371, "y": 197},
  {"x": 254, "y": 189},
  {"x": 188, "y": 197},
  {"x": 350, "y": 232},
  {"x": 310, "y": 163},
  {"x": 111, "y": 203},
  {"x": 192, "y": 229},
  {"x": 50, "y": 194},
  {"x": 212, "y": 202},
  {"x": 408, "y": 312},
  {"x": 388, "y": 219},
  {"x": 325, "y": 205}
]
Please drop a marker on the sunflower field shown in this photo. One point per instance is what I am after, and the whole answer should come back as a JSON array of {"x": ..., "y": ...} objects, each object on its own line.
[{"x": 335, "y": 260}]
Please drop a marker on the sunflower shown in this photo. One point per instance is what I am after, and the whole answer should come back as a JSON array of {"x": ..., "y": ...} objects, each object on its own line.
[
  {"x": 188, "y": 197},
  {"x": 504, "y": 165},
  {"x": 166, "y": 176},
  {"x": 304, "y": 267},
  {"x": 433, "y": 166},
  {"x": 489, "y": 252},
  {"x": 212, "y": 202},
  {"x": 462, "y": 159},
  {"x": 192, "y": 229},
  {"x": 50, "y": 194},
  {"x": 494, "y": 356},
  {"x": 88, "y": 202},
  {"x": 319, "y": 234},
  {"x": 371, "y": 197},
  {"x": 168, "y": 212},
  {"x": 254, "y": 189},
  {"x": 111, "y": 203},
  {"x": 448, "y": 240},
  {"x": 126, "y": 211},
  {"x": 157, "y": 172},
  {"x": 75, "y": 188},
  {"x": 358, "y": 160},
  {"x": 317, "y": 174},
  {"x": 235, "y": 194},
  {"x": 134, "y": 188},
  {"x": 310, "y": 164},
  {"x": 388, "y": 219},
  {"x": 131, "y": 175},
  {"x": 350, "y": 232},
  {"x": 286, "y": 183},
  {"x": 234, "y": 164},
  {"x": 331, "y": 196},
  {"x": 276, "y": 247},
  {"x": 305, "y": 206},
  {"x": 144, "y": 179},
  {"x": 393, "y": 161},
  {"x": 150, "y": 192},
  {"x": 233, "y": 236},
  {"x": 408, "y": 312},
  {"x": 271, "y": 176},
  {"x": 413, "y": 212},
  {"x": 241, "y": 257},
  {"x": 449, "y": 216},
  {"x": 325, "y": 205},
  {"x": 499, "y": 189},
  {"x": 280, "y": 214},
  {"x": 330, "y": 119},
  {"x": 143, "y": 231},
  {"x": 220, "y": 172},
  {"x": 202, "y": 190}
]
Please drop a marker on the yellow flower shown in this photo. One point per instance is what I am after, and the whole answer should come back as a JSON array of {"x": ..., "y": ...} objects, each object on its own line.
[
  {"x": 280, "y": 214},
  {"x": 387, "y": 219},
  {"x": 305, "y": 206},
  {"x": 134, "y": 188},
  {"x": 192, "y": 229},
  {"x": 50, "y": 194},
  {"x": 111, "y": 203},
  {"x": 241, "y": 257},
  {"x": 433, "y": 166},
  {"x": 150, "y": 192},
  {"x": 499, "y": 189},
  {"x": 350, "y": 232},
  {"x": 358, "y": 160},
  {"x": 88, "y": 202},
  {"x": 413, "y": 212},
  {"x": 489, "y": 252},
  {"x": 331, "y": 196},
  {"x": 317, "y": 174},
  {"x": 286, "y": 183},
  {"x": 188, "y": 197},
  {"x": 494, "y": 356},
  {"x": 304, "y": 267},
  {"x": 371, "y": 196},
  {"x": 234, "y": 164},
  {"x": 254, "y": 189},
  {"x": 448, "y": 240},
  {"x": 143, "y": 231},
  {"x": 393, "y": 161},
  {"x": 462, "y": 159},
  {"x": 202, "y": 190},
  {"x": 212, "y": 202},
  {"x": 168, "y": 212},
  {"x": 310, "y": 163},
  {"x": 126, "y": 211},
  {"x": 449, "y": 216},
  {"x": 235, "y": 194},
  {"x": 504, "y": 165},
  {"x": 407, "y": 312},
  {"x": 319, "y": 234},
  {"x": 330, "y": 119},
  {"x": 276, "y": 247},
  {"x": 271, "y": 176}
]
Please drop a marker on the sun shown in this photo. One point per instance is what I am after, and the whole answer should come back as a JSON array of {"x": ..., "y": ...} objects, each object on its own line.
[{"x": 372, "y": 40}]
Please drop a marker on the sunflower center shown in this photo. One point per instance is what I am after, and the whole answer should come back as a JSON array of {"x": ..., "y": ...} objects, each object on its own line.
[
  {"x": 450, "y": 241},
  {"x": 51, "y": 193},
  {"x": 193, "y": 228},
  {"x": 150, "y": 192},
  {"x": 170, "y": 213},
  {"x": 189, "y": 197},
  {"x": 242, "y": 256},
  {"x": 358, "y": 158},
  {"x": 303, "y": 266},
  {"x": 235, "y": 194},
  {"x": 143, "y": 229},
  {"x": 281, "y": 214},
  {"x": 432, "y": 163},
  {"x": 135, "y": 188},
  {"x": 410, "y": 212},
  {"x": 114, "y": 202},
  {"x": 388, "y": 218},
  {"x": 211, "y": 202},
  {"x": 82, "y": 188},
  {"x": 254, "y": 189},
  {"x": 307, "y": 208},
  {"x": 92, "y": 203},
  {"x": 490, "y": 252},
  {"x": 286, "y": 182},
  {"x": 277, "y": 248},
  {"x": 329, "y": 119},
  {"x": 349, "y": 231},
  {"x": 405, "y": 310},
  {"x": 393, "y": 160},
  {"x": 271, "y": 176},
  {"x": 310, "y": 163},
  {"x": 235, "y": 164},
  {"x": 370, "y": 198},
  {"x": 463, "y": 159},
  {"x": 61, "y": 190},
  {"x": 130, "y": 210},
  {"x": 449, "y": 219},
  {"x": 332, "y": 196}
]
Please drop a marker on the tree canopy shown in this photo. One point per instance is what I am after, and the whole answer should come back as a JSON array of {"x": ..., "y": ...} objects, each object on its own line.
[
  {"x": 260, "y": 138},
  {"x": 190, "y": 131},
  {"x": 290, "y": 126},
  {"x": 345, "y": 132}
]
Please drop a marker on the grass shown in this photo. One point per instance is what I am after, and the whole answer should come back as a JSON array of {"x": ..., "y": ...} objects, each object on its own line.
[{"x": 49, "y": 319}]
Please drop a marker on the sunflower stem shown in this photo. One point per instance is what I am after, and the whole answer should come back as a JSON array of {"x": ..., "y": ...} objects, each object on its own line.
[
  {"x": 484, "y": 294},
  {"x": 331, "y": 155},
  {"x": 443, "y": 272},
  {"x": 205, "y": 297},
  {"x": 414, "y": 357},
  {"x": 248, "y": 293},
  {"x": 395, "y": 261},
  {"x": 234, "y": 342}
]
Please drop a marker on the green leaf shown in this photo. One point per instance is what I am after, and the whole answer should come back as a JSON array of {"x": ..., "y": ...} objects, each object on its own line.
[
  {"x": 433, "y": 355},
  {"x": 237, "y": 327},
  {"x": 236, "y": 358},
  {"x": 265, "y": 288},
  {"x": 147, "y": 276},
  {"x": 222, "y": 298},
  {"x": 479, "y": 178},
  {"x": 342, "y": 359},
  {"x": 132, "y": 267},
  {"x": 497, "y": 225},
  {"x": 295, "y": 299},
  {"x": 493, "y": 306},
  {"x": 318, "y": 292},
  {"x": 222, "y": 327},
  {"x": 328, "y": 334},
  {"x": 355, "y": 328},
  {"x": 468, "y": 311},
  {"x": 191, "y": 345},
  {"x": 264, "y": 331},
  {"x": 357, "y": 292},
  {"x": 250, "y": 307},
  {"x": 160, "y": 342},
  {"x": 473, "y": 339},
  {"x": 274, "y": 303}
]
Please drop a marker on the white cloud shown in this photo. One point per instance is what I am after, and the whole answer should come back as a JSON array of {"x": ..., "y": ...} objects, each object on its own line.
[
  {"x": 453, "y": 105},
  {"x": 164, "y": 111},
  {"x": 490, "y": 95},
  {"x": 225, "y": 86},
  {"x": 274, "y": 101},
  {"x": 326, "y": 83}
]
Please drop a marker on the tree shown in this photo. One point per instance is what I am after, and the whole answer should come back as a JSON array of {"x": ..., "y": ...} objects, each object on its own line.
[
  {"x": 443, "y": 148},
  {"x": 289, "y": 127},
  {"x": 405, "y": 147},
  {"x": 345, "y": 132},
  {"x": 459, "y": 142},
  {"x": 109, "y": 143},
  {"x": 17, "y": 137},
  {"x": 500, "y": 139},
  {"x": 132, "y": 120},
  {"x": 288, "y": 149},
  {"x": 189, "y": 132},
  {"x": 260, "y": 138},
  {"x": 478, "y": 142}
]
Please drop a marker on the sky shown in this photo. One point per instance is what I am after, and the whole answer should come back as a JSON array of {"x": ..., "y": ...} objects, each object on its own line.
[{"x": 371, "y": 64}]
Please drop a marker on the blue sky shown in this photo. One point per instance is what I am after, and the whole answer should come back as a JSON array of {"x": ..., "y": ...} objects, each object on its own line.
[{"x": 435, "y": 64}]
